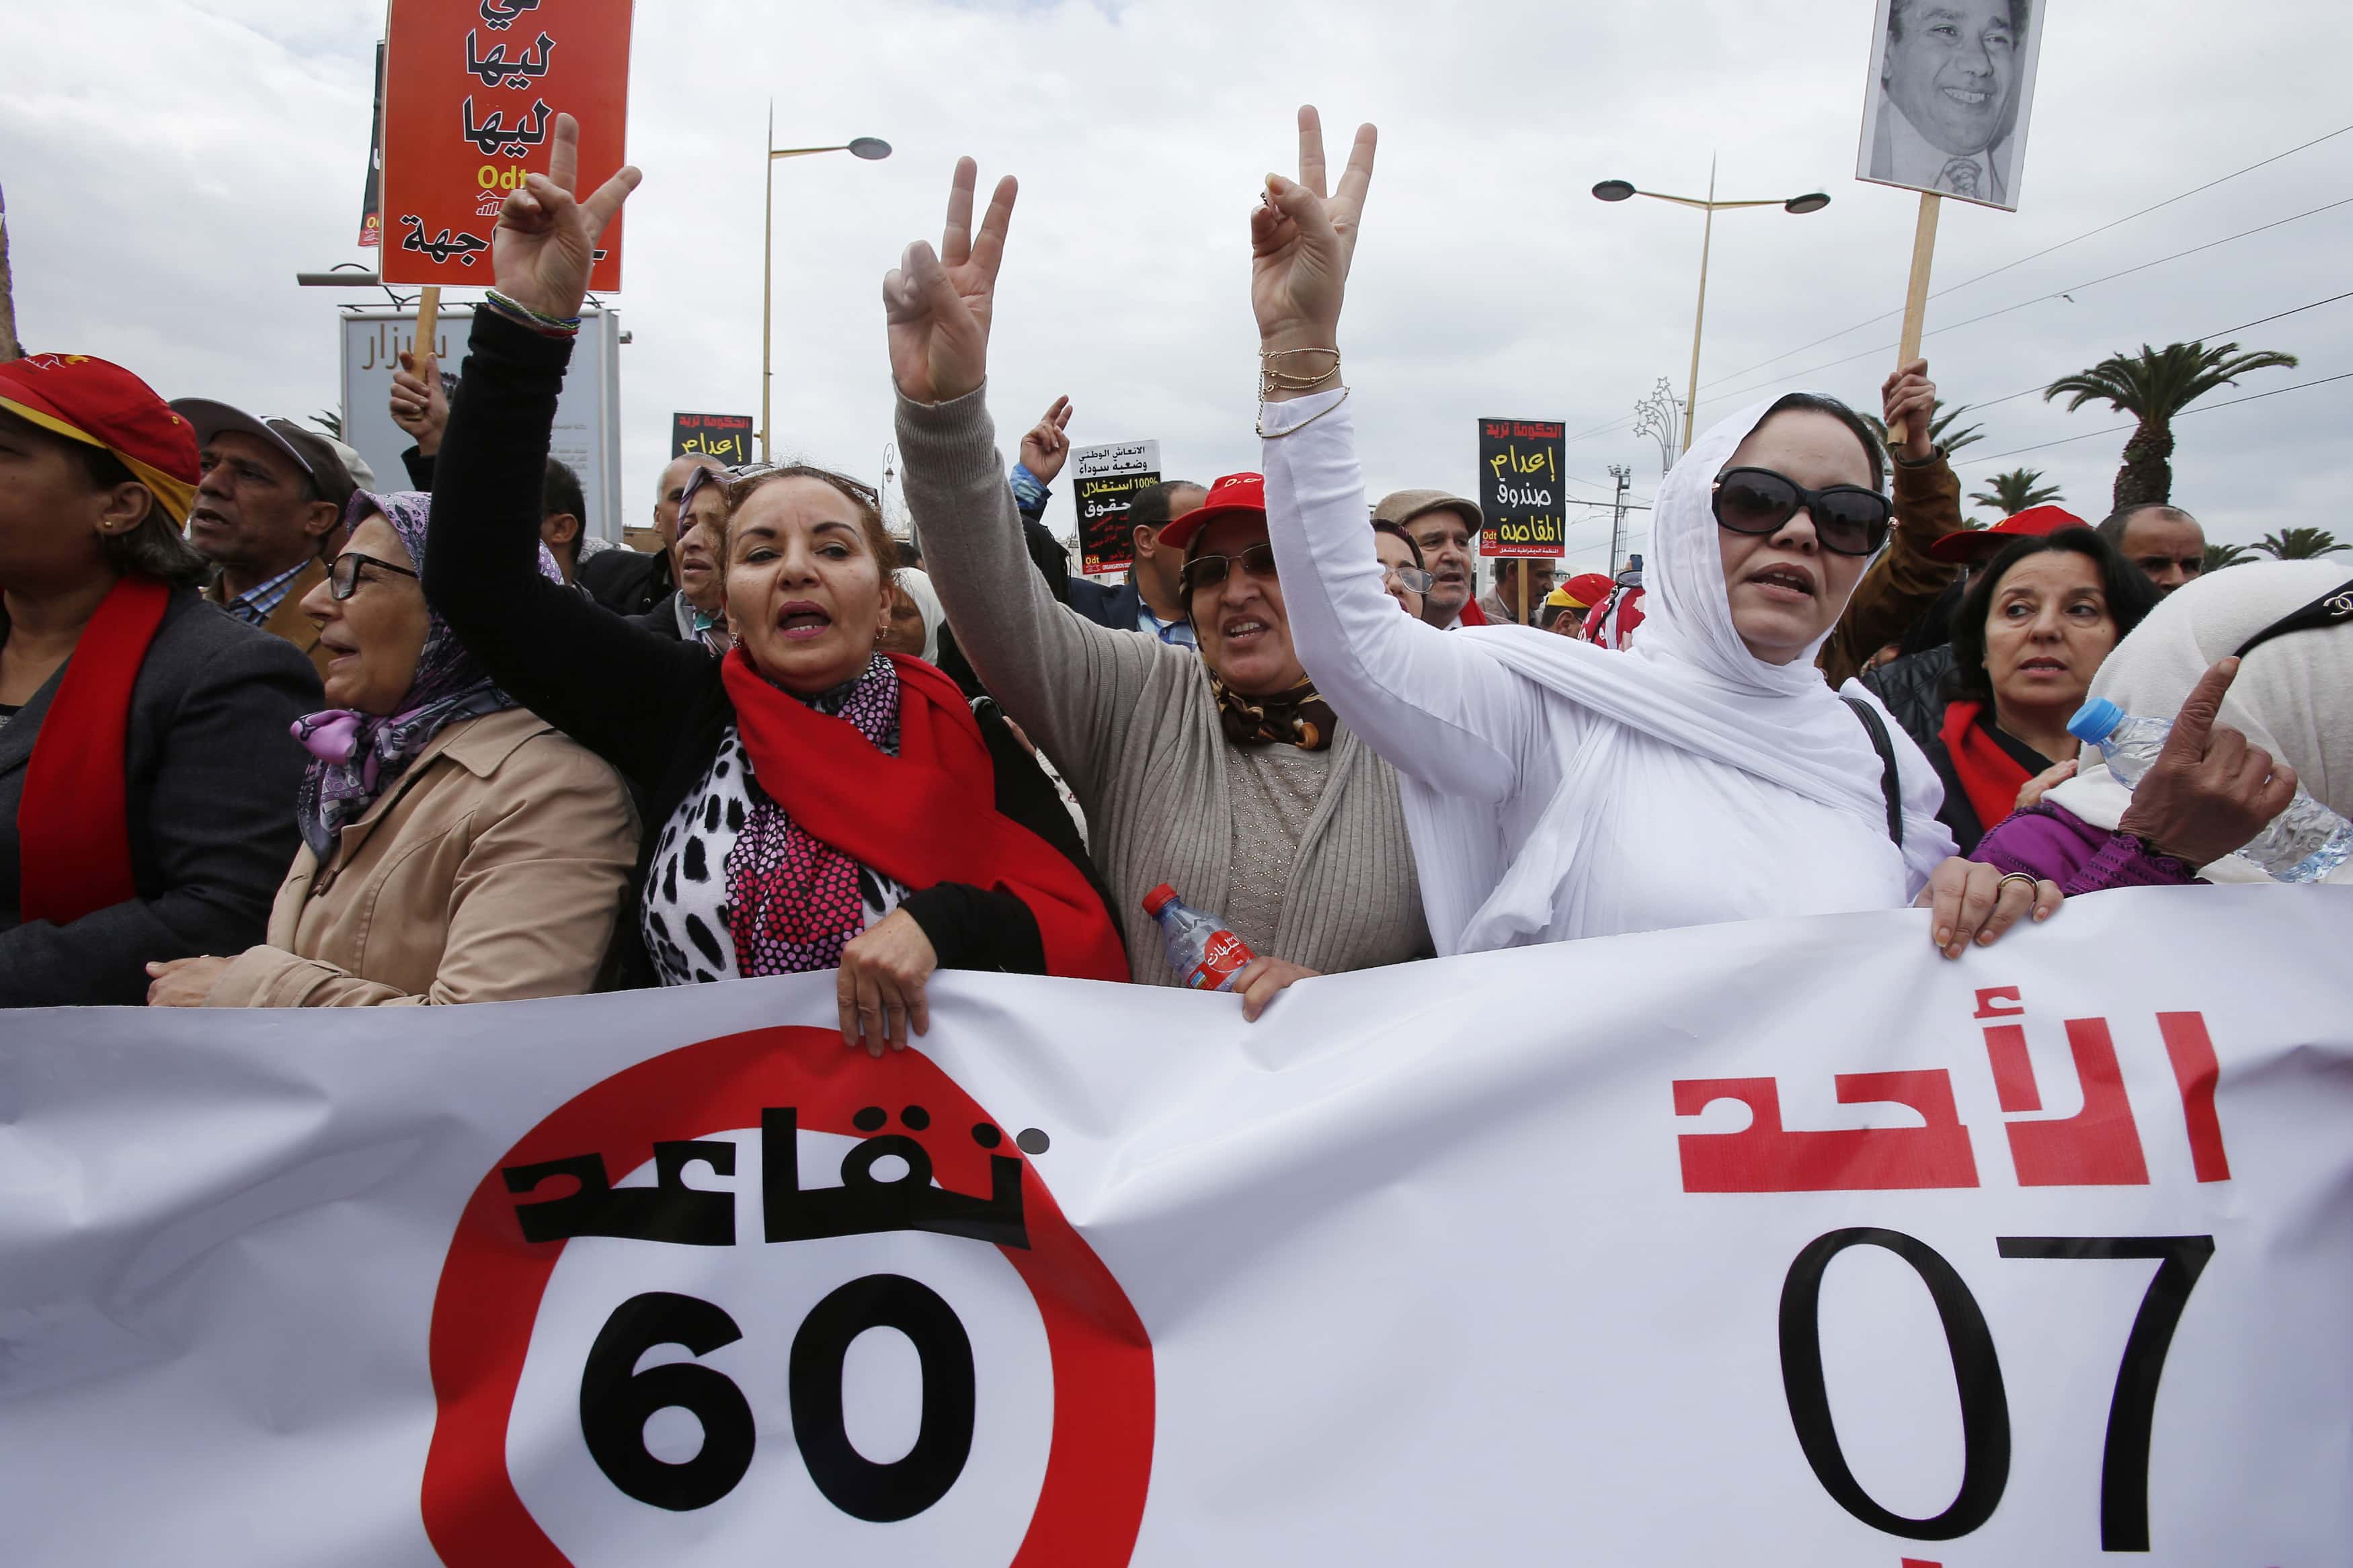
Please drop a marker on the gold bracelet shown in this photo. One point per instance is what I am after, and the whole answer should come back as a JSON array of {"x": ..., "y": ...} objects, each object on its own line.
[{"x": 1304, "y": 424}]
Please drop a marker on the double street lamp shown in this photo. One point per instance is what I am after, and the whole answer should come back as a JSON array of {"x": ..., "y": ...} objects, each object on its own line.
[
  {"x": 1620, "y": 190},
  {"x": 870, "y": 148}
]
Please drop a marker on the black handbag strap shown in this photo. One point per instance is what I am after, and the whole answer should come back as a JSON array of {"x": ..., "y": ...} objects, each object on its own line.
[{"x": 1891, "y": 785}]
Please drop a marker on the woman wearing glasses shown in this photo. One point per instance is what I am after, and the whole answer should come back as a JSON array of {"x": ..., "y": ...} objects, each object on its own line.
[
  {"x": 1221, "y": 772},
  {"x": 456, "y": 847},
  {"x": 1558, "y": 790}
]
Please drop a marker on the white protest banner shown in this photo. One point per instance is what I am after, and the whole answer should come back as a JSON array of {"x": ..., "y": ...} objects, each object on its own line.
[{"x": 1776, "y": 1243}]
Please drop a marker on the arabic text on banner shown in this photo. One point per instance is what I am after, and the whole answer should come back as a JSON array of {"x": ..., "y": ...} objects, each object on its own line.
[
  {"x": 1520, "y": 489},
  {"x": 1104, "y": 480},
  {"x": 472, "y": 89},
  {"x": 1786, "y": 1243}
]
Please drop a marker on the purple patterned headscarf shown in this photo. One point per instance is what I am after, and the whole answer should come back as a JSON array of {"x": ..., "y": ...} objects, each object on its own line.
[{"x": 356, "y": 756}]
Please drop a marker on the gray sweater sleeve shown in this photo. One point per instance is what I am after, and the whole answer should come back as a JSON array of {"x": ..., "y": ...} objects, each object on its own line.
[{"x": 1073, "y": 686}]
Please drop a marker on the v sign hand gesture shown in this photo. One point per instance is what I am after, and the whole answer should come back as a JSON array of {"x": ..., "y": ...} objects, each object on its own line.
[
  {"x": 545, "y": 241},
  {"x": 1302, "y": 239},
  {"x": 938, "y": 305}
]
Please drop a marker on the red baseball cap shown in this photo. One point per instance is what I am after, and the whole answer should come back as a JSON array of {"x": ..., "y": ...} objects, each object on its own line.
[
  {"x": 1586, "y": 589},
  {"x": 100, "y": 404},
  {"x": 1234, "y": 494},
  {"x": 1976, "y": 546}
]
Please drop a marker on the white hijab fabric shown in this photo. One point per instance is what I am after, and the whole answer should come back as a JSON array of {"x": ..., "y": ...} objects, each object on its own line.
[
  {"x": 1688, "y": 680},
  {"x": 2292, "y": 697},
  {"x": 918, "y": 585}
]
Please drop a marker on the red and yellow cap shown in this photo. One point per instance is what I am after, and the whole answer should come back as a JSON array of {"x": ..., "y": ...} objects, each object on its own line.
[
  {"x": 100, "y": 404},
  {"x": 1236, "y": 493}
]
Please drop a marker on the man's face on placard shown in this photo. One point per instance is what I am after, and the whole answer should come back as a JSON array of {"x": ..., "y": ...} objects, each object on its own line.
[{"x": 1951, "y": 67}]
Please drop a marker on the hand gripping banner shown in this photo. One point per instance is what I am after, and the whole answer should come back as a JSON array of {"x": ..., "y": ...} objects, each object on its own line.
[{"x": 1783, "y": 1243}]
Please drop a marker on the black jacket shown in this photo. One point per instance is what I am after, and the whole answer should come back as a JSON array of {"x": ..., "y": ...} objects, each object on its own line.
[
  {"x": 1913, "y": 688},
  {"x": 654, "y": 708},
  {"x": 212, "y": 771},
  {"x": 625, "y": 581}
]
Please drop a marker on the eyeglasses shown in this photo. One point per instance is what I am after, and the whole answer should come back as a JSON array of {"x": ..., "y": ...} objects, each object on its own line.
[
  {"x": 343, "y": 576},
  {"x": 1412, "y": 578},
  {"x": 1848, "y": 518},
  {"x": 1208, "y": 570}
]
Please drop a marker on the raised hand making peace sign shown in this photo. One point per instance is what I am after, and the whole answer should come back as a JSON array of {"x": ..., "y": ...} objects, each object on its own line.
[
  {"x": 938, "y": 305},
  {"x": 1302, "y": 239},
  {"x": 546, "y": 242}
]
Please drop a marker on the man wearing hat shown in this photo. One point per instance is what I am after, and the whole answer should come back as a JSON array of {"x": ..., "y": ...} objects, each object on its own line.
[
  {"x": 268, "y": 511},
  {"x": 1442, "y": 526},
  {"x": 1565, "y": 608}
]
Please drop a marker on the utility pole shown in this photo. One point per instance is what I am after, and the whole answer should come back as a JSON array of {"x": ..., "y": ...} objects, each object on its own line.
[
  {"x": 1622, "y": 474},
  {"x": 9, "y": 347}
]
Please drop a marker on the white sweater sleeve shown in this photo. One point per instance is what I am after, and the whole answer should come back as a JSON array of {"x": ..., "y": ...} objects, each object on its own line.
[{"x": 1430, "y": 702}]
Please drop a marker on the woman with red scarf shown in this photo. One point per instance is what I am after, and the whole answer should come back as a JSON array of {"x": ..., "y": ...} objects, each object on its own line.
[
  {"x": 2032, "y": 630},
  {"x": 146, "y": 775},
  {"x": 811, "y": 803}
]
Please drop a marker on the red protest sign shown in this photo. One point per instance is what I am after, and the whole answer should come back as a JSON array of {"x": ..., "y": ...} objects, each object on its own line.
[{"x": 472, "y": 89}]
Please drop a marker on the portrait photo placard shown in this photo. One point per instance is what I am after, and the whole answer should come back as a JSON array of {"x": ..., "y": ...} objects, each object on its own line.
[{"x": 1945, "y": 104}]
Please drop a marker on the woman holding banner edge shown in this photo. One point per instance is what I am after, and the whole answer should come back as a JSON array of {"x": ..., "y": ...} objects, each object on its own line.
[{"x": 1558, "y": 791}]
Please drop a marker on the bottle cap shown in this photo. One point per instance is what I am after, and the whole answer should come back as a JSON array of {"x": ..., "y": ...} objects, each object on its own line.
[
  {"x": 1159, "y": 899},
  {"x": 2095, "y": 721}
]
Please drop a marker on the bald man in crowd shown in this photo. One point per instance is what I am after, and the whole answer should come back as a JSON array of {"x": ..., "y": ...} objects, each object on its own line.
[
  {"x": 2163, "y": 541},
  {"x": 630, "y": 581}
]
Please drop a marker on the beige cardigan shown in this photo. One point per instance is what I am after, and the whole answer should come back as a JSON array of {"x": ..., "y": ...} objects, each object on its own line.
[
  {"x": 1131, "y": 724},
  {"x": 491, "y": 871}
]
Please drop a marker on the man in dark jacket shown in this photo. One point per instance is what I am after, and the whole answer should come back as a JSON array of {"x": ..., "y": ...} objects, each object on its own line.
[
  {"x": 1151, "y": 600},
  {"x": 631, "y": 582}
]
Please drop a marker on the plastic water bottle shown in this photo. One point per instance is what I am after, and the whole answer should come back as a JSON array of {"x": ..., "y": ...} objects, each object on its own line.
[
  {"x": 2303, "y": 843},
  {"x": 1200, "y": 949}
]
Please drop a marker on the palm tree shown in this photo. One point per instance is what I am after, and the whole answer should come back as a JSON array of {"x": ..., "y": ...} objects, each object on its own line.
[
  {"x": 1940, "y": 428},
  {"x": 2015, "y": 491},
  {"x": 2155, "y": 385},
  {"x": 330, "y": 421},
  {"x": 2220, "y": 555},
  {"x": 2298, "y": 543}
]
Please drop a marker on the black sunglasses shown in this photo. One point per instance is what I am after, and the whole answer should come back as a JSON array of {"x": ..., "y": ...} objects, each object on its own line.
[
  {"x": 1848, "y": 518},
  {"x": 1208, "y": 570},
  {"x": 343, "y": 576}
]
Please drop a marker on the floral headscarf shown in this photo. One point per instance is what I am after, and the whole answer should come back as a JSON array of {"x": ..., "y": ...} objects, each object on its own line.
[{"x": 356, "y": 756}]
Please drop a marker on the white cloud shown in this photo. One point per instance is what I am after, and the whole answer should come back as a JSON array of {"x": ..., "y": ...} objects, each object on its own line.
[{"x": 159, "y": 208}]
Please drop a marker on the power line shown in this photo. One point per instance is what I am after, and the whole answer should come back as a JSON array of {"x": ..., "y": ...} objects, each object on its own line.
[
  {"x": 1955, "y": 288},
  {"x": 2113, "y": 429},
  {"x": 2203, "y": 337},
  {"x": 2042, "y": 298}
]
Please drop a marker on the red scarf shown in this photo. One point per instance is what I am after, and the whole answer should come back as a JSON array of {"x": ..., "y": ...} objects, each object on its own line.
[
  {"x": 1472, "y": 616},
  {"x": 924, "y": 816},
  {"x": 1991, "y": 776},
  {"x": 73, "y": 823}
]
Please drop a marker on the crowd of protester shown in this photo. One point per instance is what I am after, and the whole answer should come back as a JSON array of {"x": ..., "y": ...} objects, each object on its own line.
[{"x": 272, "y": 735}]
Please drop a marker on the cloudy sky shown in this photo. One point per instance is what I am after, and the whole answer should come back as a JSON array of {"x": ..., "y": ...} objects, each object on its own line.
[{"x": 169, "y": 167}]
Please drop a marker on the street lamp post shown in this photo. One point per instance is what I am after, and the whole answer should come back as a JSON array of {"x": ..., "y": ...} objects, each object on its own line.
[
  {"x": 868, "y": 147},
  {"x": 1619, "y": 190}
]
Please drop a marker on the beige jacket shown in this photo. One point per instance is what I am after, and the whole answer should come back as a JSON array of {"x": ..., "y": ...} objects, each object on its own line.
[{"x": 491, "y": 871}]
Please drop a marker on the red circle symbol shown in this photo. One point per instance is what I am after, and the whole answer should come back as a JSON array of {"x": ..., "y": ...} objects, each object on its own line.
[{"x": 1099, "y": 1463}]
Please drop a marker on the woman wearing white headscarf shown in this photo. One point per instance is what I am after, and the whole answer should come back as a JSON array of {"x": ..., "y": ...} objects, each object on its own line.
[
  {"x": 1555, "y": 789},
  {"x": 915, "y": 615},
  {"x": 2254, "y": 666}
]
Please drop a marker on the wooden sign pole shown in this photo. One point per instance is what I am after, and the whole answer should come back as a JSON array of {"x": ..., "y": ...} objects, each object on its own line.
[
  {"x": 1526, "y": 619},
  {"x": 1915, "y": 303},
  {"x": 428, "y": 319}
]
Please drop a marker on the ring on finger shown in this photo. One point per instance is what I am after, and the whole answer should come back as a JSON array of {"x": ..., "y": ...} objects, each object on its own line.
[{"x": 2009, "y": 877}]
